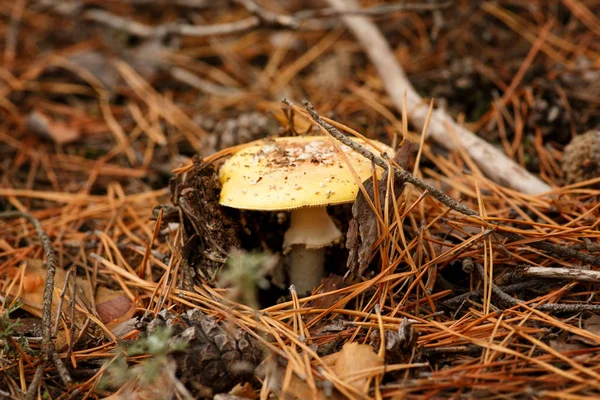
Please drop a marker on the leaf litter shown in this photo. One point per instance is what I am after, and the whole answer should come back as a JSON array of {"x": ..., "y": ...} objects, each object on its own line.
[{"x": 96, "y": 116}]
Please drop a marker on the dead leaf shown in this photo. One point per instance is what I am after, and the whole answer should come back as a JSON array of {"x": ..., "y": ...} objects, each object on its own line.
[
  {"x": 352, "y": 360},
  {"x": 32, "y": 295},
  {"x": 292, "y": 121},
  {"x": 294, "y": 388},
  {"x": 57, "y": 131},
  {"x": 298, "y": 389},
  {"x": 113, "y": 307}
]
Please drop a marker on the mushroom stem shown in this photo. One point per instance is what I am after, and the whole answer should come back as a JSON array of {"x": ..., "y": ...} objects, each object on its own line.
[
  {"x": 307, "y": 268},
  {"x": 311, "y": 230}
]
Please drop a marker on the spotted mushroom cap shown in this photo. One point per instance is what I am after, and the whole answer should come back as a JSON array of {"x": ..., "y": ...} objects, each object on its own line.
[
  {"x": 293, "y": 172},
  {"x": 581, "y": 158}
]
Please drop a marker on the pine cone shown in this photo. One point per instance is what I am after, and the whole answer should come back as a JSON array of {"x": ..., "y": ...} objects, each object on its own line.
[
  {"x": 581, "y": 158},
  {"x": 215, "y": 359}
]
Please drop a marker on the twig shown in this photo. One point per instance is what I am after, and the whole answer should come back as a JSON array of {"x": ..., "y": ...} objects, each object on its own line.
[
  {"x": 567, "y": 308},
  {"x": 445, "y": 351},
  {"x": 588, "y": 245},
  {"x": 261, "y": 17},
  {"x": 269, "y": 17},
  {"x": 572, "y": 274},
  {"x": 144, "y": 31},
  {"x": 512, "y": 288},
  {"x": 494, "y": 163},
  {"x": 35, "y": 382},
  {"x": 51, "y": 265},
  {"x": 382, "y": 9},
  {"x": 541, "y": 307},
  {"x": 13, "y": 32},
  {"x": 405, "y": 176},
  {"x": 506, "y": 298},
  {"x": 182, "y": 3}
]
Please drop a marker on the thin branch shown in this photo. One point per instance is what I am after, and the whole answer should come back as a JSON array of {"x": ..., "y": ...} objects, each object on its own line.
[
  {"x": 511, "y": 301},
  {"x": 571, "y": 274},
  {"x": 382, "y": 9},
  {"x": 35, "y": 382},
  {"x": 269, "y": 17},
  {"x": 512, "y": 288},
  {"x": 124, "y": 24},
  {"x": 493, "y": 162},
  {"x": 406, "y": 176},
  {"x": 506, "y": 298},
  {"x": 260, "y": 17},
  {"x": 50, "y": 353},
  {"x": 145, "y": 31}
]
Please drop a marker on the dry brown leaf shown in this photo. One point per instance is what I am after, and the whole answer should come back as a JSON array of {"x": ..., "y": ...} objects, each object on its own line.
[
  {"x": 300, "y": 123},
  {"x": 297, "y": 388},
  {"x": 32, "y": 295},
  {"x": 113, "y": 307},
  {"x": 354, "y": 358}
]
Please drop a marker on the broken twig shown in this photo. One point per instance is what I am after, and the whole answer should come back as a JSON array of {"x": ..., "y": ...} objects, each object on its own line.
[
  {"x": 511, "y": 301},
  {"x": 406, "y": 176},
  {"x": 47, "y": 343},
  {"x": 493, "y": 162}
]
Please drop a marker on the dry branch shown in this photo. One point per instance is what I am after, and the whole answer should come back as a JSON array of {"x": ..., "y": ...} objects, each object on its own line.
[
  {"x": 405, "y": 176},
  {"x": 144, "y": 31},
  {"x": 490, "y": 160},
  {"x": 575, "y": 274},
  {"x": 47, "y": 343},
  {"x": 511, "y": 301}
]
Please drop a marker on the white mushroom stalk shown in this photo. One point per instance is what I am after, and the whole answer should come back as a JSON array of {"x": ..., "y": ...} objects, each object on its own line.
[
  {"x": 304, "y": 175},
  {"x": 311, "y": 230}
]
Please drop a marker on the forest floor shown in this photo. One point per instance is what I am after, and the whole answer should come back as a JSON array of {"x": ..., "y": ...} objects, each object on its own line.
[{"x": 121, "y": 275}]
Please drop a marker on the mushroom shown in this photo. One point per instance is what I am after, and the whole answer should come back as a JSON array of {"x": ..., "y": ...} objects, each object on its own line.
[{"x": 302, "y": 174}]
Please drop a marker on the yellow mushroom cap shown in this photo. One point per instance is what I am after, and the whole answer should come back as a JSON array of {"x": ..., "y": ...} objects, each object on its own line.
[{"x": 293, "y": 172}]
